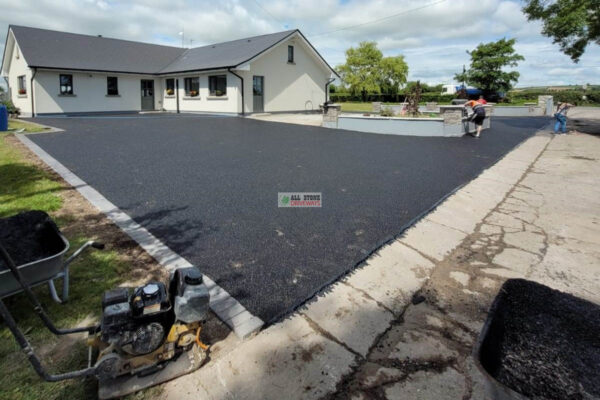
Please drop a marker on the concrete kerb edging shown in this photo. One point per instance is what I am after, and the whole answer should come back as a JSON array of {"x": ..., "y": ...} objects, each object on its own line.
[{"x": 227, "y": 308}]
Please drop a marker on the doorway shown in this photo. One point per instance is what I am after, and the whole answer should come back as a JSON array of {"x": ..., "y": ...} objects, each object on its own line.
[
  {"x": 147, "y": 94},
  {"x": 258, "y": 94}
]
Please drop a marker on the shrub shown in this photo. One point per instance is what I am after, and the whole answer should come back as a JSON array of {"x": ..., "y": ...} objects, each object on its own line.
[
  {"x": 386, "y": 112},
  {"x": 10, "y": 107}
]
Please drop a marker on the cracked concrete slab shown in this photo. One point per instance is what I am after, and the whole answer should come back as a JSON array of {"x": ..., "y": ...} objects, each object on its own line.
[
  {"x": 290, "y": 357},
  {"x": 350, "y": 316},
  {"x": 392, "y": 276},
  {"x": 432, "y": 239},
  {"x": 427, "y": 385}
]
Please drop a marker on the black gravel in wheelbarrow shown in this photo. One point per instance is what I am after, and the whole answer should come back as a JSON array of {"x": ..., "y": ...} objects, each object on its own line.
[
  {"x": 543, "y": 343},
  {"x": 28, "y": 237}
]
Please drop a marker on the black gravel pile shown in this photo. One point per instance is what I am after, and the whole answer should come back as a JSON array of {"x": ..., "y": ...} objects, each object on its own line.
[
  {"x": 29, "y": 236},
  {"x": 543, "y": 343}
]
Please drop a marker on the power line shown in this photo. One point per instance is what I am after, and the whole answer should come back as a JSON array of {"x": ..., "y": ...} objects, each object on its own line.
[
  {"x": 379, "y": 19},
  {"x": 267, "y": 11}
]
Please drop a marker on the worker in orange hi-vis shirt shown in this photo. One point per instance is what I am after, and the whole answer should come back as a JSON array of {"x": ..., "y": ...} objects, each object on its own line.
[{"x": 478, "y": 114}]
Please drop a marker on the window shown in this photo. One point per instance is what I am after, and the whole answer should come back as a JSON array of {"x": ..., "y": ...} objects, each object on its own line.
[
  {"x": 112, "y": 86},
  {"x": 192, "y": 86},
  {"x": 170, "y": 84},
  {"x": 66, "y": 84},
  {"x": 22, "y": 84},
  {"x": 217, "y": 84},
  {"x": 290, "y": 54}
]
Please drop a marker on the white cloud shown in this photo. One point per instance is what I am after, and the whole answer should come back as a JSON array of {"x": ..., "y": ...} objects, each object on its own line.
[{"x": 434, "y": 39}]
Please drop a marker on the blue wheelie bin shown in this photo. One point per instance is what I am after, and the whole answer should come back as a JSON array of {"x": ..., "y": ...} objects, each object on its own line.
[{"x": 3, "y": 118}]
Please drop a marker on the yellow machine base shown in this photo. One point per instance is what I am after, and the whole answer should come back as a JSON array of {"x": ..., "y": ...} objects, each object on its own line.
[{"x": 123, "y": 385}]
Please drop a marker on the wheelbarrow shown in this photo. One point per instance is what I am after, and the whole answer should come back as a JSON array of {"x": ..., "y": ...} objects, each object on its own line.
[{"x": 38, "y": 247}]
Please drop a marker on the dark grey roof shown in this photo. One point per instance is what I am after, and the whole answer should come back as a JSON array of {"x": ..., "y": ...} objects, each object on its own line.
[
  {"x": 52, "y": 49},
  {"x": 226, "y": 54},
  {"x": 62, "y": 50}
]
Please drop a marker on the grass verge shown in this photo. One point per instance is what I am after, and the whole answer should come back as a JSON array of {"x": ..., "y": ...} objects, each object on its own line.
[
  {"x": 15, "y": 125},
  {"x": 24, "y": 186}
]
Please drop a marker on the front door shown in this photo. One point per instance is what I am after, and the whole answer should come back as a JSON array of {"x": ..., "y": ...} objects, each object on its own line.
[
  {"x": 258, "y": 94},
  {"x": 147, "y": 95}
]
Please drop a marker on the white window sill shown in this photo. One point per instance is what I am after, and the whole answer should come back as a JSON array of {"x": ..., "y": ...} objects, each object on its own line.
[
  {"x": 169, "y": 96},
  {"x": 22, "y": 96},
  {"x": 113, "y": 95},
  {"x": 67, "y": 95},
  {"x": 191, "y": 98},
  {"x": 216, "y": 98}
]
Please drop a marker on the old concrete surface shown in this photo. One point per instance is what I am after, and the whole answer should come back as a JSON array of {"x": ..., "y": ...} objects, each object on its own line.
[
  {"x": 364, "y": 338},
  {"x": 547, "y": 228}
]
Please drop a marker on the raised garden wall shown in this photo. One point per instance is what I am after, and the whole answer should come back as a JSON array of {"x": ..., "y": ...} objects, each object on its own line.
[{"x": 451, "y": 123}]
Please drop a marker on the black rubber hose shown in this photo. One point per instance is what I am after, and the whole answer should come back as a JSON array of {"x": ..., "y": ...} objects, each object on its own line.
[{"x": 33, "y": 359}]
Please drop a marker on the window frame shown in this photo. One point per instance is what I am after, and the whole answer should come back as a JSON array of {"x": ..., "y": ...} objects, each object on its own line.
[
  {"x": 167, "y": 87},
  {"x": 116, "y": 88},
  {"x": 60, "y": 85},
  {"x": 22, "y": 85},
  {"x": 290, "y": 53},
  {"x": 213, "y": 85},
  {"x": 188, "y": 88}
]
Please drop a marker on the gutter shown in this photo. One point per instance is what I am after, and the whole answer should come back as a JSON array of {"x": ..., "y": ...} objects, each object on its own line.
[
  {"x": 177, "y": 93},
  {"x": 242, "y": 81},
  {"x": 329, "y": 82},
  {"x": 31, "y": 89}
]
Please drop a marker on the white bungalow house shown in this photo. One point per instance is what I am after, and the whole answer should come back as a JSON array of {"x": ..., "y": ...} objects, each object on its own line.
[{"x": 50, "y": 72}]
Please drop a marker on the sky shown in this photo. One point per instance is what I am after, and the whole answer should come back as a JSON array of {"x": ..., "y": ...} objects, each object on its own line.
[{"x": 433, "y": 35}]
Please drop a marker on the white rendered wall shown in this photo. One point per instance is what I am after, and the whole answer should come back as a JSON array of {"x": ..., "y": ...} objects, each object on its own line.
[
  {"x": 288, "y": 87},
  {"x": 230, "y": 103},
  {"x": 18, "y": 67},
  {"x": 89, "y": 93}
]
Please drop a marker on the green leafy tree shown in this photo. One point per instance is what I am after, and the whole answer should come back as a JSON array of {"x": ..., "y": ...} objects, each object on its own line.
[
  {"x": 367, "y": 71},
  {"x": 487, "y": 70},
  {"x": 362, "y": 72},
  {"x": 393, "y": 74},
  {"x": 573, "y": 24}
]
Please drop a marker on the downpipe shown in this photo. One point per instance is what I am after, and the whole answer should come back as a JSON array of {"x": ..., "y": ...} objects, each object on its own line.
[{"x": 242, "y": 81}]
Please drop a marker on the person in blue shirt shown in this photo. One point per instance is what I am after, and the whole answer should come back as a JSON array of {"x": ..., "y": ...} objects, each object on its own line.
[{"x": 561, "y": 117}]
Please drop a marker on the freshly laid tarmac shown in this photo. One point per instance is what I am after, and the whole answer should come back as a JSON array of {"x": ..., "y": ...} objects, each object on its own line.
[{"x": 207, "y": 187}]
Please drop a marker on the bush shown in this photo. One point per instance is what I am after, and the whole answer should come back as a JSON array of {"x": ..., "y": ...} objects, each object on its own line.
[
  {"x": 11, "y": 107},
  {"x": 386, "y": 112}
]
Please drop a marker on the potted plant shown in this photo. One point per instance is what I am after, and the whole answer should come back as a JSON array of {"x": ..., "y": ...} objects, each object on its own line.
[
  {"x": 218, "y": 93},
  {"x": 22, "y": 91},
  {"x": 170, "y": 92},
  {"x": 193, "y": 93}
]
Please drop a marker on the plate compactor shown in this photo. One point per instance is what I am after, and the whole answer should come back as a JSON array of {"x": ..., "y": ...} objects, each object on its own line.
[{"x": 147, "y": 335}]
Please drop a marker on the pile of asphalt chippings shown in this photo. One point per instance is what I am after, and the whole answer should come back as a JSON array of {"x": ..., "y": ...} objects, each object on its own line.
[
  {"x": 543, "y": 343},
  {"x": 28, "y": 237}
]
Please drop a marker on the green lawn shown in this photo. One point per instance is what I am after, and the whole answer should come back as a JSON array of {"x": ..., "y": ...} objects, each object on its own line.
[
  {"x": 15, "y": 124},
  {"x": 23, "y": 186}
]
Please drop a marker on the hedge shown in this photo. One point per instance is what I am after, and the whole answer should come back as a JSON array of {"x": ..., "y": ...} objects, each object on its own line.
[
  {"x": 389, "y": 98},
  {"x": 569, "y": 96}
]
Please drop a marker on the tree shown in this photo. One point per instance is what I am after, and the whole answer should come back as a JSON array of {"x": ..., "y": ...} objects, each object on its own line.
[
  {"x": 393, "y": 74},
  {"x": 573, "y": 24},
  {"x": 367, "y": 71},
  {"x": 488, "y": 61}
]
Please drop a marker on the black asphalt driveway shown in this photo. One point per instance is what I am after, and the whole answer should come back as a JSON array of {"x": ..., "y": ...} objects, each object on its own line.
[{"x": 207, "y": 187}]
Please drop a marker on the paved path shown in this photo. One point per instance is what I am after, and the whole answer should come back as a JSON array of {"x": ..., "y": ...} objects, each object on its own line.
[
  {"x": 207, "y": 188},
  {"x": 534, "y": 215}
]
